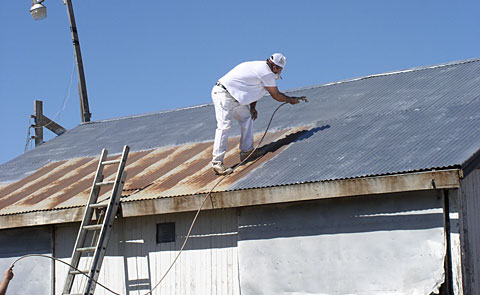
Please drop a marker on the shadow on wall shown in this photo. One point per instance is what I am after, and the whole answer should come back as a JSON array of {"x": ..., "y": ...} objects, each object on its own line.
[{"x": 414, "y": 211}]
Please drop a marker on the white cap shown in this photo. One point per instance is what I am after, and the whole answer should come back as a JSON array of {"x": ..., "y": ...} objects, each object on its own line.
[{"x": 278, "y": 59}]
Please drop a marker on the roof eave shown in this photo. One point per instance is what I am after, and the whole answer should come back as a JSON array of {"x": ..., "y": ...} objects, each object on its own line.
[{"x": 375, "y": 185}]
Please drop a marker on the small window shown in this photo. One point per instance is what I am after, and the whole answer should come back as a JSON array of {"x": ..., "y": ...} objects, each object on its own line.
[{"x": 165, "y": 232}]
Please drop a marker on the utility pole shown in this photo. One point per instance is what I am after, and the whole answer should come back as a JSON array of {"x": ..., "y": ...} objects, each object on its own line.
[
  {"x": 43, "y": 121},
  {"x": 85, "y": 109},
  {"x": 39, "y": 11},
  {"x": 38, "y": 115}
]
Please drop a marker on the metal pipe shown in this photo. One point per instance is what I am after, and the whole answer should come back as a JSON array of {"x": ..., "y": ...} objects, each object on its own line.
[{"x": 85, "y": 109}]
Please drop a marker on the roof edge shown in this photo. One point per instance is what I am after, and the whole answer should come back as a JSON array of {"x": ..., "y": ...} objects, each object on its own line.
[
  {"x": 471, "y": 163},
  {"x": 375, "y": 185}
]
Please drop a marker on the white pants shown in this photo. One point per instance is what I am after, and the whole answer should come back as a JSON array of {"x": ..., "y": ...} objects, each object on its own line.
[{"x": 227, "y": 108}]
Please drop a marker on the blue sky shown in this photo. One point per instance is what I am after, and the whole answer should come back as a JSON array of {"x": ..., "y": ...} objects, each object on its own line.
[{"x": 148, "y": 56}]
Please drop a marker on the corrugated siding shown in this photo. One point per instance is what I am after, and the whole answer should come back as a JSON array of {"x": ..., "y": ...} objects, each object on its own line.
[
  {"x": 469, "y": 196},
  {"x": 135, "y": 262}
]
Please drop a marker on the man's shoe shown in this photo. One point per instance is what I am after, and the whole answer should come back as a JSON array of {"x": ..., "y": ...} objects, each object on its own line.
[
  {"x": 220, "y": 169},
  {"x": 257, "y": 153}
]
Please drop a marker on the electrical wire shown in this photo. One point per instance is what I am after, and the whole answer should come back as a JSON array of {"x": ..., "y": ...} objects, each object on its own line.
[
  {"x": 189, "y": 230},
  {"x": 29, "y": 138},
  {"x": 57, "y": 115},
  {"x": 65, "y": 98}
]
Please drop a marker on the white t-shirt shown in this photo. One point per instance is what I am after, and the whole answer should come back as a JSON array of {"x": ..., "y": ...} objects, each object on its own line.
[{"x": 247, "y": 81}]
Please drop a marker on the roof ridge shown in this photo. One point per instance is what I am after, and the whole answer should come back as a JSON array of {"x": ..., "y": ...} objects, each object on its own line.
[
  {"x": 414, "y": 69},
  {"x": 148, "y": 114},
  {"x": 458, "y": 62}
]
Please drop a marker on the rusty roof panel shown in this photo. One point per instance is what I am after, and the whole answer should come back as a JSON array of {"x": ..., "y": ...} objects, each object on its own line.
[{"x": 156, "y": 173}]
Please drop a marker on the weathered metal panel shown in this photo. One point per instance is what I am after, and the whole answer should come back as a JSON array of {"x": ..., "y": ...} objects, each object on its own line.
[
  {"x": 163, "y": 172},
  {"x": 469, "y": 198},
  {"x": 375, "y": 145},
  {"x": 365, "y": 245},
  {"x": 455, "y": 238},
  {"x": 32, "y": 275},
  {"x": 134, "y": 262}
]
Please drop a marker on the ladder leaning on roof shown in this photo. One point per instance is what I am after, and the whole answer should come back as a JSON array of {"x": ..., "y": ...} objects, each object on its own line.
[{"x": 93, "y": 234}]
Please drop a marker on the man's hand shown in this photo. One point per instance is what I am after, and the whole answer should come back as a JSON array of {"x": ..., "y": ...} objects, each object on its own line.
[
  {"x": 253, "y": 113},
  {"x": 8, "y": 275},
  {"x": 296, "y": 99}
]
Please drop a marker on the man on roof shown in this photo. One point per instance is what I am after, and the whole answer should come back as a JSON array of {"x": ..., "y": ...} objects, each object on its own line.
[{"x": 235, "y": 96}]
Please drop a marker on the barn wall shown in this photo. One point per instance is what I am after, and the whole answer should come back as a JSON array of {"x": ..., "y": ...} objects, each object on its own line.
[
  {"x": 383, "y": 244},
  {"x": 455, "y": 235},
  {"x": 32, "y": 275},
  {"x": 469, "y": 198},
  {"x": 366, "y": 245},
  {"x": 134, "y": 261}
]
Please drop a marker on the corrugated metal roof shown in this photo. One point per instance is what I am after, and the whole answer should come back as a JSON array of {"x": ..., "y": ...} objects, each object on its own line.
[
  {"x": 413, "y": 120},
  {"x": 157, "y": 173}
]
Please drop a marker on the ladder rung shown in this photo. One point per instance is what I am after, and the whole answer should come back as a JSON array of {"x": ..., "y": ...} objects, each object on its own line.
[
  {"x": 111, "y": 162},
  {"x": 76, "y": 272},
  {"x": 105, "y": 183},
  {"x": 92, "y": 227},
  {"x": 98, "y": 205},
  {"x": 86, "y": 249}
]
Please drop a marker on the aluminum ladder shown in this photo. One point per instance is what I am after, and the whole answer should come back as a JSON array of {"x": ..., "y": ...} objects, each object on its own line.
[{"x": 94, "y": 233}]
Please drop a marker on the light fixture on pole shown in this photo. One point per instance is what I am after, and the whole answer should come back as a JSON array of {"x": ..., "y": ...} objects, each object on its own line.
[{"x": 39, "y": 11}]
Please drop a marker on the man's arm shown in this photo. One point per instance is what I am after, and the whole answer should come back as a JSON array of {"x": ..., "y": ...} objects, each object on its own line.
[
  {"x": 7, "y": 276},
  {"x": 278, "y": 96}
]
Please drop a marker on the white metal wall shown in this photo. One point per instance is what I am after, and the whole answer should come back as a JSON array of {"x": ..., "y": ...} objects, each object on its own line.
[
  {"x": 135, "y": 262},
  {"x": 387, "y": 244},
  {"x": 366, "y": 245},
  {"x": 469, "y": 197},
  {"x": 32, "y": 275}
]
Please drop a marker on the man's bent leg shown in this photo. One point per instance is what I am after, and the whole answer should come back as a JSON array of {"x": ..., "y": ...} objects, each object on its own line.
[
  {"x": 223, "y": 112},
  {"x": 244, "y": 118}
]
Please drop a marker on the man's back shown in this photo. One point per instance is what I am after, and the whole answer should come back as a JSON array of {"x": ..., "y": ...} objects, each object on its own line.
[{"x": 247, "y": 81}]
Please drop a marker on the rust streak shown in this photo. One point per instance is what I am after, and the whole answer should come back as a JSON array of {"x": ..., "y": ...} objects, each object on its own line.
[
  {"x": 178, "y": 169},
  {"x": 5, "y": 191},
  {"x": 246, "y": 168},
  {"x": 203, "y": 178},
  {"x": 83, "y": 185},
  {"x": 135, "y": 180},
  {"x": 169, "y": 167},
  {"x": 136, "y": 167},
  {"x": 31, "y": 185},
  {"x": 80, "y": 170}
]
